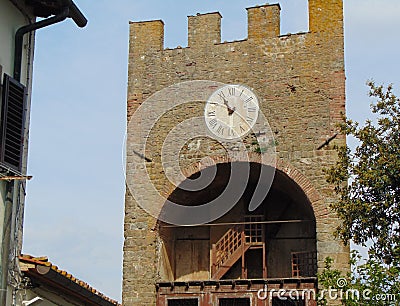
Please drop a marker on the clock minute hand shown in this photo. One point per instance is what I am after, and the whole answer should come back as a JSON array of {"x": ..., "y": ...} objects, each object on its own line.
[
  {"x": 225, "y": 101},
  {"x": 230, "y": 109}
]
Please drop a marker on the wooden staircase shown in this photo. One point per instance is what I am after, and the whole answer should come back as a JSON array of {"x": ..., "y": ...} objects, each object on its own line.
[{"x": 233, "y": 246}]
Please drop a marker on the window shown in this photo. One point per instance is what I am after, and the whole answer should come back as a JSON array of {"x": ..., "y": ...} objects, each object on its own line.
[
  {"x": 234, "y": 302},
  {"x": 254, "y": 229},
  {"x": 288, "y": 302},
  {"x": 183, "y": 302},
  {"x": 12, "y": 123},
  {"x": 304, "y": 264}
]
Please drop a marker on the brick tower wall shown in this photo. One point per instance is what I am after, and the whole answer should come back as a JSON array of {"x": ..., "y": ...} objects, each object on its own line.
[{"x": 300, "y": 79}]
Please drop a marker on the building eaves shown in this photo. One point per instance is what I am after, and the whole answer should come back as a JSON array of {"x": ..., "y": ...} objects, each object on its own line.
[
  {"x": 46, "y": 8},
  {"x": 44, "y": 272}
]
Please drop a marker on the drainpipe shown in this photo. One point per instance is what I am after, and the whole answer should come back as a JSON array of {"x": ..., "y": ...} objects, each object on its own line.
[
  {"x": 19, "y": 38},
  {"x": 7, "y": 234},
  {"x": 71, "y": 10}
]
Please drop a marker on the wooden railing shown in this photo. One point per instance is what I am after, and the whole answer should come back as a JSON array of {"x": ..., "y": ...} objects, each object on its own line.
[
  {"x": 230, "y": 243},
  {"x": 233, "y": 245}
]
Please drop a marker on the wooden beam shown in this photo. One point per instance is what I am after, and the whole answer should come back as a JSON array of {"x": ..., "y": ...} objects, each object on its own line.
[
  {"x": 15, "y": 178},
  {"x": 238, "y": 223}
]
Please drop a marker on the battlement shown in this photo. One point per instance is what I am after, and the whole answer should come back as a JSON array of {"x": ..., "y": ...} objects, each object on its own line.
[
  {"x": 204, "y": 30},
  {"x": 146, "y": 36},
  {"x": 326, "y": 16},
  {"x": 264, "y": 21}
]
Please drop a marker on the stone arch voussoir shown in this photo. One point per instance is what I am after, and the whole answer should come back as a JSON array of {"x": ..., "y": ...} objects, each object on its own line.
[{"x": 317, "y": 203}]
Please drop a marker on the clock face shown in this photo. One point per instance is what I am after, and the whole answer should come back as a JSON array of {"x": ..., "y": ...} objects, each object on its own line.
[{"x": 231, "y": 111}]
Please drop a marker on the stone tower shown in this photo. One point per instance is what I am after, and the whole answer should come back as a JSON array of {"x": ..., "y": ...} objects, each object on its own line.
[{"x": 300, "y": 83}]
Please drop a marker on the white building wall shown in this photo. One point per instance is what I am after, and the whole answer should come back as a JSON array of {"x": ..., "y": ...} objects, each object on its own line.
[
  {"x": 11, "y": 19},
  {"x": 13, "y": 15}
]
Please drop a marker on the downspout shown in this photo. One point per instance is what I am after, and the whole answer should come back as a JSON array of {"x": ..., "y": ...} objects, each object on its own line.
[
  {"x": 14, "y": 275},
  {"x": 7, "y": 234},
  {"x": 19, "y": 38}
]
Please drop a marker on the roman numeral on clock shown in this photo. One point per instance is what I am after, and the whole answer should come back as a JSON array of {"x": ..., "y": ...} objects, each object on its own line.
[
  {"x": 248, "y": 100},
  {"x": 249, "y": 119},
  {"x": 211, "y": 113},
  {"x": 232, "y": 91},
  {"x": 213, "y": 123},
  {"x": 220, "y": 130},
  {"x": 221, "y": 95}
]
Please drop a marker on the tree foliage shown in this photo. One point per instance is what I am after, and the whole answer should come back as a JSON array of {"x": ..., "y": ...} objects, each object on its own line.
[
  {"x": 367, "y": 178},
  {"x": 369, "y": 283}
]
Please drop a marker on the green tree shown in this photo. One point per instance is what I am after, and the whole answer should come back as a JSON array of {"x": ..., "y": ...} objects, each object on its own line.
[
  {"x": 371, "y": 282},
  {"x": 367, "y": 179}
]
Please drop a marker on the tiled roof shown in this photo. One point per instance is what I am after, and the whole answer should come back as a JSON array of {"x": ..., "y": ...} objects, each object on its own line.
[{"x": 26, "y": 262}]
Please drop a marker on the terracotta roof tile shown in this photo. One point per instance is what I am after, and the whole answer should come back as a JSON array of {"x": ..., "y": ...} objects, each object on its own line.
[{"x": 44, "y": 261}]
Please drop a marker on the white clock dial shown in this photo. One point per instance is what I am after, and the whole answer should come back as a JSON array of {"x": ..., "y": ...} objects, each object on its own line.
[{"x": 231, "y": 111}]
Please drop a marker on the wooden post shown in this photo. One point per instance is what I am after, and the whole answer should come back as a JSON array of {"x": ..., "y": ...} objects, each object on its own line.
[
  {"x": 264, "y": 255},
  {"x": 264, "y": 261},
  {"x": 213, "y": 260},
  {"x": 243, "y": 239}
]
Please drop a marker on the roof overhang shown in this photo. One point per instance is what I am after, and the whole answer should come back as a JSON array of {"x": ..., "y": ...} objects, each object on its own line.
[
  {"x": 47, "y": 276},
  {"x": 46, "y": 8}
]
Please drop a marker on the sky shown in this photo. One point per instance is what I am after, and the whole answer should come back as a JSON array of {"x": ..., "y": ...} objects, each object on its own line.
[{"x": 75, "y": 201}]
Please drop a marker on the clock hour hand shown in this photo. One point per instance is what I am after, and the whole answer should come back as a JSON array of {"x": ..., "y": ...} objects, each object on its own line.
[{"x": 230, "y": 109}]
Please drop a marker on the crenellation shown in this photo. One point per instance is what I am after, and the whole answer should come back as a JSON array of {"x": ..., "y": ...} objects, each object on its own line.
[
  {"x": 263, "y": 22},
  {"x": 146, "y": 36},
  {"x": 326, "y": 17},
  {"x": 204, "y": 30}
]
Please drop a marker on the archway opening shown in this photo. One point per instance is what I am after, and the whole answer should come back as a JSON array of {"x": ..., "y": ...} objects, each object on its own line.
[{"x": 276, "y": 240}]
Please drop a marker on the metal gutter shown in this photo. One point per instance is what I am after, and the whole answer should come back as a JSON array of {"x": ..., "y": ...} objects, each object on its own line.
[
  {"x": 77, "y": 15},
  {"x": 69, "y": 10}
]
